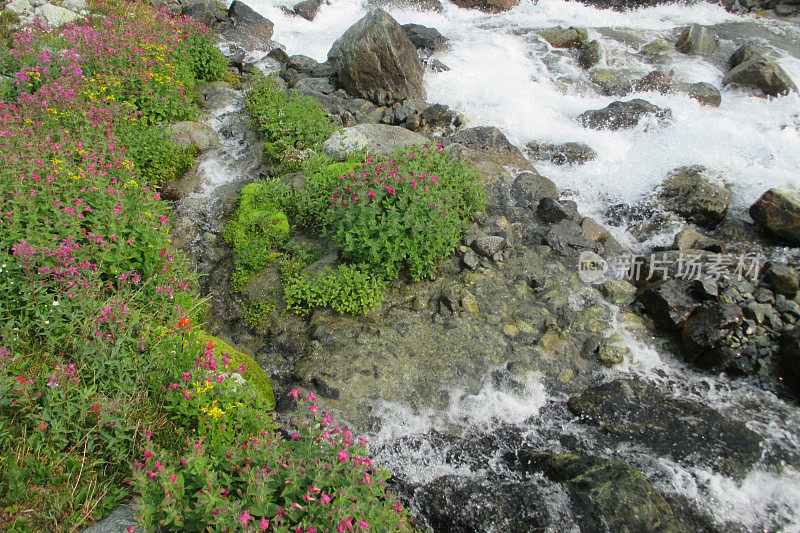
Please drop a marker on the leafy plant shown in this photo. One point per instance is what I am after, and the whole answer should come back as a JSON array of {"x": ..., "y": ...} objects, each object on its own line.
[
  {"x": 404, "y": 212},
  {"x": 347, "y": 289},
  {"x": 289, "y": 122}
]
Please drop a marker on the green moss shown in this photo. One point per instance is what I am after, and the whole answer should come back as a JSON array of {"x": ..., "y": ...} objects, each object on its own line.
[{"x": 252, "y": 370}]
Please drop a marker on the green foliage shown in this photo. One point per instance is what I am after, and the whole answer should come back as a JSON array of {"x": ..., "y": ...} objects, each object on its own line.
[
  {"x": 207, "y": 62},
  {"x": 314, "y": 478},
  {"x": 287, "y": 121},
  {"x": 154, "y": 153},
  {"x": 347, "y": 289},
  {"x": 404, "y": 212}
]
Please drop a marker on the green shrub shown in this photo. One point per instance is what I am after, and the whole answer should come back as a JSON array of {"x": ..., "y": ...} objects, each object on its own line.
[
  {"x": 207, "y": 62},
  {"x": 287, "y": 121},
  {"x": 404, "y": 212},
  {"x": 347, "y": 289},
  {"x": 315, "y": 478},
  {"x": 154, "y": 153}
]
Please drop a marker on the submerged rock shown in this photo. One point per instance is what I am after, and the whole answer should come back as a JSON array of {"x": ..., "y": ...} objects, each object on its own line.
[
  {"x": 691, "y": 433},
  {"x": 621, "y": 114},
  {"x": 763, "y": 74},
  {"x": 571, "y": 37},
  {"x": 591, "y": 54},
  {"x": 689, "y": 193},
  {"x": 705, "y": 93},
  {"x": 376, "y": 60},
  {"x": 743, "y": 54},
  {"x": 490, "y": 6},
  {"x": 379, "y": 139},
  {"x": 607, "y": 494},
  {"x": 778, "y": 211},
  {"x": 568, "y": 153}
]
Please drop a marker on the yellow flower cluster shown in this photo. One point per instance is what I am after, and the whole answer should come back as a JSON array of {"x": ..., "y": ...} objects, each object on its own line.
[{"x": 100, "y": 88}]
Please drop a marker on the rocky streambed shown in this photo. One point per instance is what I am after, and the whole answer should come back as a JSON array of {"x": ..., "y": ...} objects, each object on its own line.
[{"x": 508, "y": 394}]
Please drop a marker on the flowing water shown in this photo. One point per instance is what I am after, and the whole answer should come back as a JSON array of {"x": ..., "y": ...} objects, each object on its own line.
[{"x": 502, "y": 75}]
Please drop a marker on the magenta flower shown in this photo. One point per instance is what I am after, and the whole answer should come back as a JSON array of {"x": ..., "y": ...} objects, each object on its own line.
[
  {"x": 294, "y": 393},
  {"x": 325, "y": 498},
  {"x": 343, "y": 456},
  {"x": 244, "y": 519},
  {"x": 345, "y": 525},
  {"x": 362, "y": 525},
  {"x": 264, "y": 524}
]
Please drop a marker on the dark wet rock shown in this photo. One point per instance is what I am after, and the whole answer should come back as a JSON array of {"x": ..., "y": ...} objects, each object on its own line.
[
  {"x": 490, "y": 6},
  {"x": 314, "y": 87},
  {"x": 691, "y": 433},
  {"x": 782, "y": 278},
  {"x": 744, "y": 53},
  {"x": 323, "y": 70},
  {"x": 696, "y": 39},
  {"x": 197, "y": 135},
  {"x": 437, "y": 66},
  {"x": 307, "y": 8},
  {"x": 621, "y": 114},
  {"x": 419, "y": 5},
  {"x": 559, "y": 37},
  {"x": 568, "y": 153},
  {"x": 709, "y": 325},
  {"x": 425, "y": 38},
  {"x": 376, "y": 60},
  {"x": 302, "y": 64},
  {"x": 670, "y": 302},
  {"x": 762, "y": 74},
  {"x": 380, "y": 139},
  {"x": 790, "y": 359},
  {"x": 567, "y": 238},
  {"x": 552, "y": 211},
  {"x": 607, "y": 494},
  {"x": 655, "y": 81},
  {"x": 530, "y": 187},
  {"x": 279, "y": 55},
  {"x": 778, "y": 212},
  {"x": 466, "y": 505},
  {"x": 591, "y": 54},
  {"x": 437, "y": 116},
  {"x": 491, "y": 144},
  {"x": 688, "y": 192},
  {"x": 611, "y": 82},
  {"x": 408, "y": 108},
  {"x": 705, "y": 93},
  {"x": 364, "y": 111},
  {"x": 248, "y": 27}
]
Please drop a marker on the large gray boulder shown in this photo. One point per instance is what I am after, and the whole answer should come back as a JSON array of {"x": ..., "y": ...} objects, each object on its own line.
[
  {"x": 248, "y": 27},
  {"x": 377, "y": 61},
  {"x": 491, "y": 144},
  {"x": 778, "y": 211},
  {"x": 763, "y": 74},
  {"x": 688, "y": 192},
  {"x": 378, "y": 139},
  {"x": 621, "y": 114},
  {"x": 190, "y": 134}
]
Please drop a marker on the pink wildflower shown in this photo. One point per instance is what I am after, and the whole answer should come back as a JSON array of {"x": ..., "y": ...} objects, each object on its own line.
[{"x": 245, "y": 518}]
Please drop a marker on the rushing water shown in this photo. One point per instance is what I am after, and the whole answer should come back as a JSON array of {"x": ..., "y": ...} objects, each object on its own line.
[{"x": 503, "y": 76}]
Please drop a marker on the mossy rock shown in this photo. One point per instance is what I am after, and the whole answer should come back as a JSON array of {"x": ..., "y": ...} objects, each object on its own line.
[{"x": 252, "y": 370}]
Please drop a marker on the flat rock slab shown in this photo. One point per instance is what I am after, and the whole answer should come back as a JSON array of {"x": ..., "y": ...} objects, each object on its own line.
[
  {"x": 687, "y": 432},
  {"x": 378, "y": 139}
]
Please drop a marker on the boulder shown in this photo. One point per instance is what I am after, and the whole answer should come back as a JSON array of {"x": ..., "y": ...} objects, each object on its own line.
[
  {"x": 568, "y": 153},
  {"x": 552, "y": 211},
  {"x": 419, "y": 5},
  {"x": 567, "y": 238},
  {"x": 425, "y": 38},
  {"x": 461, "y": 504},
  {"x": 559, "y": 37},
  {"x": 207, "y": 12},
  {"x": 696, "y": 39},
  {"x": 709, "y": 325},
  {"x": 790, "y": 359},
  {"x": 778, "y": 211},
  {"x": 782, "y": 278},
  {"x": 379, "y": 139},
  {"x": 530, "y": 187},
  {"x": 762, "y": 74},
  {"x": 307, "y": 8},
  {"x": 787, "y": 9},
  {"x": 302, "y": 64},
  {"x": 490, "y": 143},
  {"x": 376, "y": 60},
  {"x": 670, "y": 303},
  {"x": 621, "y": 114},
  {"x": 55, "y": 16},
  {"x": 690, "y": 433},
  {"x": 608, "y": 495},
  {"x": 490, "y": 6},
  {"x": 689, "y": 193},
  {"x": 705, "y": 93},
  {"x": 437, "y": 116},
  {"x": 190, "y": 134},
  {"x": 248, "y": 27},
  {"x": 654, "y": 81},
  {"x": 744, "y": 53},
  {"x": 591, "y": 54}
]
